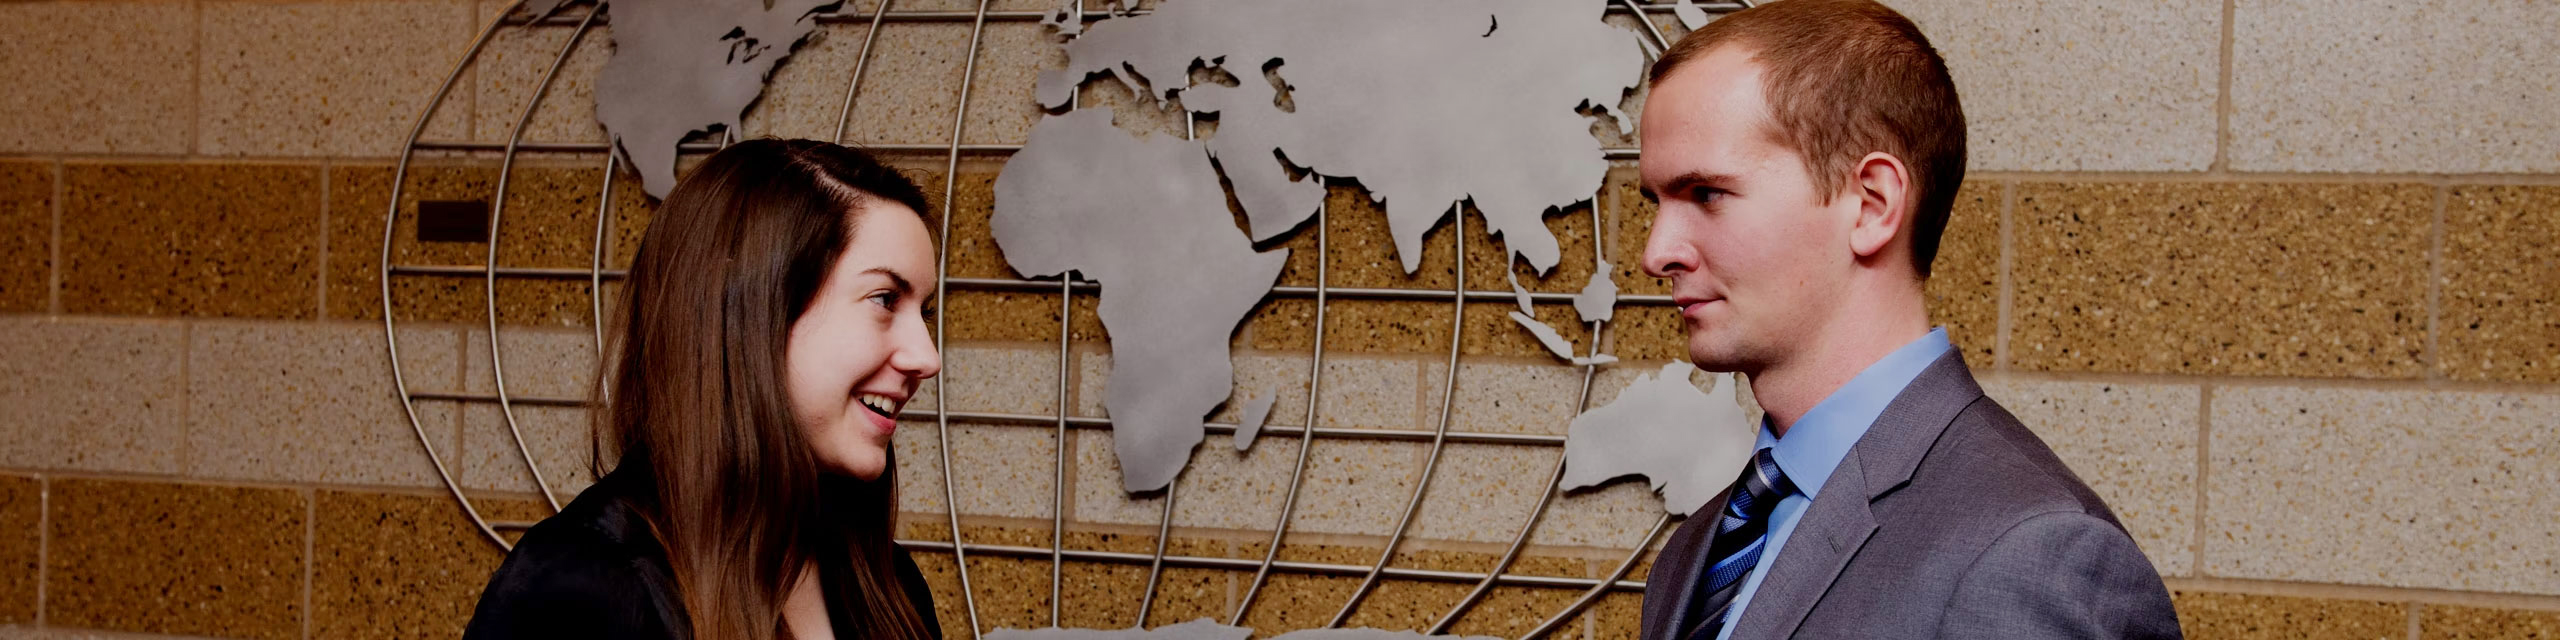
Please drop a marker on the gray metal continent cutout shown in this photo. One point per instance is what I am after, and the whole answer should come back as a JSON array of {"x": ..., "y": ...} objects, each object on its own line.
[
  {"x": 1423, "y": 102},
  {"x": 682, "y": 66},
  {"x": 1426, "y": 102},
  {"x": 1689, "y": 443},
  {"x": 1146, "y": 218}
]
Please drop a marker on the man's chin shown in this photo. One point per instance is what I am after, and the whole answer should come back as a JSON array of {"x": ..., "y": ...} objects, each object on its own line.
[{"x": 1713, "y": 357}]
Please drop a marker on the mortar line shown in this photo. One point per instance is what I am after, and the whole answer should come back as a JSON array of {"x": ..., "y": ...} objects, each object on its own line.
[
  {"x": 2370, "y": 593},
  {"x": 2434, "y": 358},
  {"x": 44, "y": 543},
  {"x": 2204, "y": 465},
  {"x": 310, "y": 526},
  {"x": 53, "y": 272},
  {"x": 2416, "y": 613},
  {"x": 186, "y": 398},
  {"x": 2006, "y": 323},
  {"x": 2222, "y": 99},
  {"x": 320, "y": 279},
  {"x": 195, "y": 81}
]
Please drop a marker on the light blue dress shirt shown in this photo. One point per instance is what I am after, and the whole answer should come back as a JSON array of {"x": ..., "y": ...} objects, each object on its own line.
[{"x": 1817, "y": 442}]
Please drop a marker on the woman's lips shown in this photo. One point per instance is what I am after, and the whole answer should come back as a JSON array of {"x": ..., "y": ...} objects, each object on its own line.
[{"x": 887, "y": 425}]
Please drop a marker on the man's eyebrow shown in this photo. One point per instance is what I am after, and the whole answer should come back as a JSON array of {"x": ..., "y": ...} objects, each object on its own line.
[{"x": 1686, "y": 182}]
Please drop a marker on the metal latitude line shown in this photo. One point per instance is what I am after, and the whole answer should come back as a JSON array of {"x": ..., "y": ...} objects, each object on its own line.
[
  {"x": 563, "y": 20},
  {"x": 1291, "y": 566},
  {"x": 382, "y": 273},
  {"x": 1440, "y": 439},
  {"x": 497, "y": 213}
]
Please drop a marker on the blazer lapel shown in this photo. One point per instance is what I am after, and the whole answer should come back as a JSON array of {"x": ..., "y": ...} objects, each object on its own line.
[
  {"x": 1830, "y": 532},
  {"x": 1682, "y": 561},
  {"x": 1841, "y": 520}
]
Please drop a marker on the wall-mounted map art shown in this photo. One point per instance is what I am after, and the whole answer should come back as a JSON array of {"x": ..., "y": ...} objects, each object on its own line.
[
  {"x": 1428, "y": 103},
  {"x": 1432, "y": 106}
]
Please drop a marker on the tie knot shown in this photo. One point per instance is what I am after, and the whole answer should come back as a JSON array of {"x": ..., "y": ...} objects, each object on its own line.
[{"x": 1761, "y": 487}]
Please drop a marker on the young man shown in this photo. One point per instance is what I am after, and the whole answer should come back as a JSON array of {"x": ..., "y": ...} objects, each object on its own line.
[{"x": 1806, "y": 155}]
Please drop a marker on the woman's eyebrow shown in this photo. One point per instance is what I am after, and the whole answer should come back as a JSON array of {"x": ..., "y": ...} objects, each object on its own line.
[{"x": 899, "y": 281}]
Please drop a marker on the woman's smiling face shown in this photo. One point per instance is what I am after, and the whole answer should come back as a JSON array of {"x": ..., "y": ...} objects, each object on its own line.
[{"x": 862, "y": 346}]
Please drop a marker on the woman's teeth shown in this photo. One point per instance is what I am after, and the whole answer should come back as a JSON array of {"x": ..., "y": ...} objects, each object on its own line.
[{"x": 879, "y": 404}]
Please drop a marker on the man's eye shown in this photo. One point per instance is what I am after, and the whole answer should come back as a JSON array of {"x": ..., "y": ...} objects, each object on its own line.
[{"x": 1706, "y": 195}]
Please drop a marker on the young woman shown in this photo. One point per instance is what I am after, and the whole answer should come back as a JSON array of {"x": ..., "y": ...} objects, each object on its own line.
[{"x": 773, "y": 325}]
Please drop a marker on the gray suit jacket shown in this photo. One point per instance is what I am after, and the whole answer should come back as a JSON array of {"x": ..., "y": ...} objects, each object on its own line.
[{"x": 1948, "y": 520}]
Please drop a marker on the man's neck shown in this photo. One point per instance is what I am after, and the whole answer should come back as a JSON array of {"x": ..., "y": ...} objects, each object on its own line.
[{"x": 1789, "y": 390}]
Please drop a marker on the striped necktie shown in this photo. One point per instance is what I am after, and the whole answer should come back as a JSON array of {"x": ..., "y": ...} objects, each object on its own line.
[{"x": 1740, "y": 534}]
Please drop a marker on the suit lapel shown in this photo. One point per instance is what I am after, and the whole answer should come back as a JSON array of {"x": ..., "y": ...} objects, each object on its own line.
[
  {"x": 1840, "y": 521},
  {"x": 1830, "y": 532},
  {"x": 1685, "y": 568}
]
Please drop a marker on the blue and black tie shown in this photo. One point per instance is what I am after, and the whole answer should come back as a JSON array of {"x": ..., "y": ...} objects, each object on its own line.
[{"x": 1740, "y": 534}]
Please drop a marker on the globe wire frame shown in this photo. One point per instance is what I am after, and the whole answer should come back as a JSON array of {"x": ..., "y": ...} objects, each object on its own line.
[{"x": 595, "y": 275}]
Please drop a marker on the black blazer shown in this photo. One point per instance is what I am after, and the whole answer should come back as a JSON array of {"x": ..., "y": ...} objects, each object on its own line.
[{"x": 593, "y": 571}]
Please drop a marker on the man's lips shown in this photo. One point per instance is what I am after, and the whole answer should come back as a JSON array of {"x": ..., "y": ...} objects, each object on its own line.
[{"x": 1689, "y": 304}]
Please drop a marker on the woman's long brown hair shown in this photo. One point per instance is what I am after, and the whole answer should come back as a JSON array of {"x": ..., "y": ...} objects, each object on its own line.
[{"x": 695, "y": 405}]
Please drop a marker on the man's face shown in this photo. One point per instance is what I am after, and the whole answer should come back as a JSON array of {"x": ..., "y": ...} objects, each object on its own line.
[{"x": 1757, "y": 260}]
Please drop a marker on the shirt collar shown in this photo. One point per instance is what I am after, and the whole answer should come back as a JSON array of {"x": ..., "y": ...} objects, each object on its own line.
[{"x": 1817, "y": 442}]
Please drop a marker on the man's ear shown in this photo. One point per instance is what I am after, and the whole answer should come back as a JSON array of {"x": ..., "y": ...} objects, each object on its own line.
[{"x": 1882, "y": 185}]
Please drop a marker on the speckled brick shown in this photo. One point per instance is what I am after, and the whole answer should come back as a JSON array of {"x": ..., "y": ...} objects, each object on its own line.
[
  {"x": 98, "y": 77},
  {"x": 26, "y": 236},
  {"x": 87, "y": 394},
  {"x": 2446, "y": 622},
  {"x": 401, "y": 565},
  {"x": 325, "y": 78},
  {"x": 2255, "y": 617},
  {"x": 176, "y": 559},
  {"x": 1964, "y": 280},
  {"x": 2501, "y": 285},
  {"x": 2362, "y": 486},
  {"x": 548, "y": 222},
  {"x": 21, "y": 546},
  {"x": 191, "y": 240},
  {"x": 2281, "y": 279}
]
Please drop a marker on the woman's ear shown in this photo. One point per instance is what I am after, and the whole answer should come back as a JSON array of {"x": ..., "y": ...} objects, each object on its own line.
[{"x": 1882, "y": 185}]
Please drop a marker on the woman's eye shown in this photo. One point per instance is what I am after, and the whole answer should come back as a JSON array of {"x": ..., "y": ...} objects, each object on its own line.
[{"x": 886, "y": 299}]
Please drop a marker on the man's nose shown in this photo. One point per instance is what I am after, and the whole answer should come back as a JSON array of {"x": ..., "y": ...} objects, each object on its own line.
[{"x": 1666, "y": 248}]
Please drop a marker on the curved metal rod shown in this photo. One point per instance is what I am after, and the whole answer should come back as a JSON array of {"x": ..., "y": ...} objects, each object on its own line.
[
  {"x": 1439, "y": 438},
  {"x": 1593, "y": 595},
  {"x": 595, "y": 262},
  {"x": 862, "y": 59},
  {"x": 390, "y": 232},
  {"x": 941, "y": 338},
  {"x": 1660, "y": 44},
  {"x": 1306, "y": 437},
  {"x": 1066, "y": 330},
  {"x": 1599, "y": 249},
  {"x": 1058, "y": 485},
  {"x": 1155, "y": 567},
  {"x": 497, "y": 211},
  {"x": 1511, "y": 554}
]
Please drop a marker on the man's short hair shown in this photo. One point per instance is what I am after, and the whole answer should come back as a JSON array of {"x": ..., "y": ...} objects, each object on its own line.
[{"x": 1846, "y": 78}]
